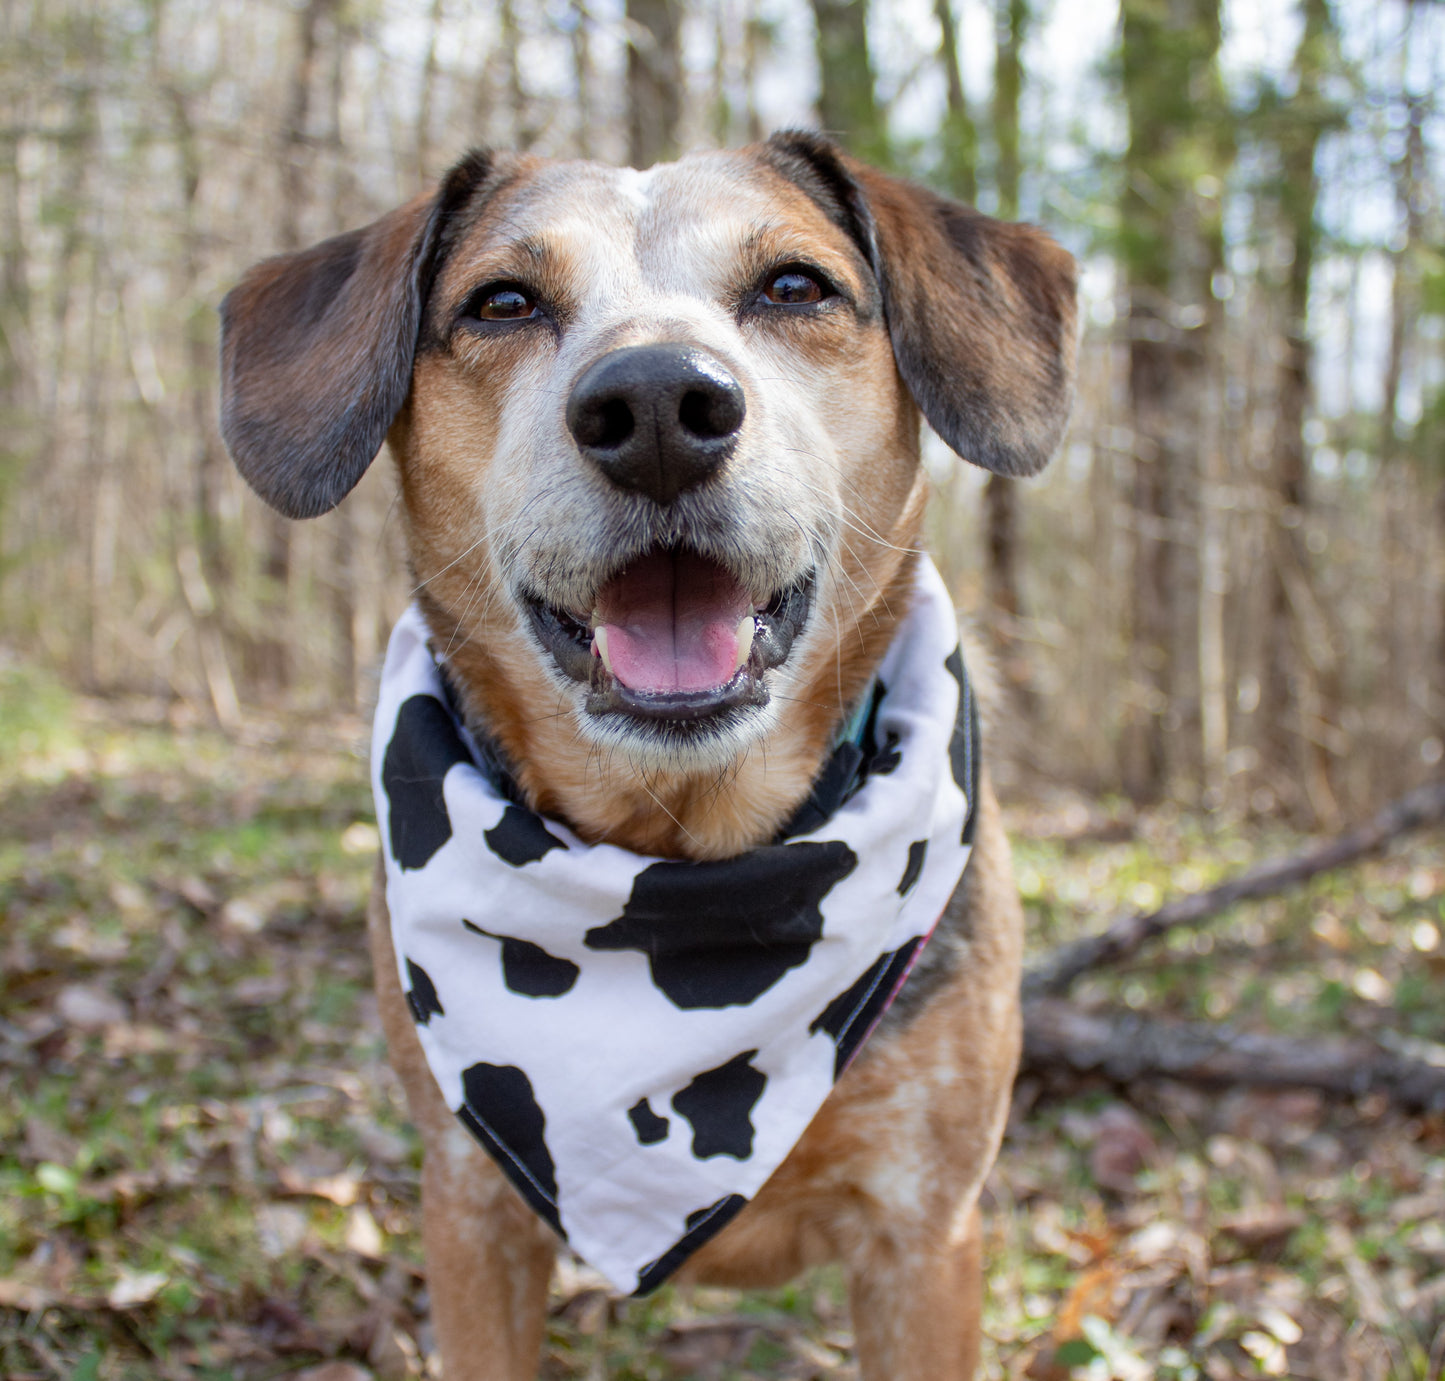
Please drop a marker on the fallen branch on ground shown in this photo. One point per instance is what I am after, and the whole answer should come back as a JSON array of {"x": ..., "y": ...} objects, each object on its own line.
[
  {"x": 1056, "y": 971},
  {"x": 1123, "y": 1045}
]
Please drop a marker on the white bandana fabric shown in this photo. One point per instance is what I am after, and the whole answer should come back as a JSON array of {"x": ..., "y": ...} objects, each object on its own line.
[{"x": 639, "y": 1042}]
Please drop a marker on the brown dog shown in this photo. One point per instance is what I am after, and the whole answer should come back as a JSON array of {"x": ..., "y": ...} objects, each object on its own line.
[{"x": 804, "y": 309}]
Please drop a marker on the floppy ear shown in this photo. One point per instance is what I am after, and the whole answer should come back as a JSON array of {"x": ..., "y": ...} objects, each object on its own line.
[
  {"x": 981, "y": 312},
  {"x": 317, "y": 350}
]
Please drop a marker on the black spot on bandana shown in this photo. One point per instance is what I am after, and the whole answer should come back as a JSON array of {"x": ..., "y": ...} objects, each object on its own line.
[
  {"x": 721, "y": 934},
  {"x": 702, "y": 1226},
  {"x": 917, "y": 851},
  {"x": 963, "y": 752},
  {"x": 422, "y": 996},
  {"x": 528, "y": 969},
  {"x": 500, "y": 1110},
  {"x": 424, "y": 747},
  {"x": 850, "y": 1016},
  {"x": 650, "y": 1128},
  {"x": 520, "y": 837},
  {"x": 718, "y": 1104}
]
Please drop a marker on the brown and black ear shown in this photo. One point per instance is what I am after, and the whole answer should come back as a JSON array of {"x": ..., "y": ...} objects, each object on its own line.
[
  {"x": 981, "y": 312},
  {"x": 317, "y": 350}
]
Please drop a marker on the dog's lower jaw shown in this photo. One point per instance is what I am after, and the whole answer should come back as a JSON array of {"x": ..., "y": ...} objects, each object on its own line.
[{"x": 643, "y": 802}]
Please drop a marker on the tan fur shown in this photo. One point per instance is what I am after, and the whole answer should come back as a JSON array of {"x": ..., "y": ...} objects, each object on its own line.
[{"x": 938, "y": 308}]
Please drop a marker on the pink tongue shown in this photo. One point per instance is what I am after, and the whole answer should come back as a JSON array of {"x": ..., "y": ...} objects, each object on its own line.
[{"x": 672, "y": 621}]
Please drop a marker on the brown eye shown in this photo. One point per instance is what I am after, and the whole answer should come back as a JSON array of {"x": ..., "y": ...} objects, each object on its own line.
[
  {"x": 502, "y": 304},
  {"x": 793, "y": 288}
]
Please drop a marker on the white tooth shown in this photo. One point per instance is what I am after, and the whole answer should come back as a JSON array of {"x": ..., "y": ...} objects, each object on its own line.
[
  {"x": 747, "y": 626},
  {"x": 596, "y": 620},
  {"x": 599, "y": 645}
]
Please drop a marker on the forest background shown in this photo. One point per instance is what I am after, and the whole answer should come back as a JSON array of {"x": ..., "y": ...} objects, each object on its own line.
[
  {"x": 1229, "y": 589},
  {"x": 1218, "y": 619}
]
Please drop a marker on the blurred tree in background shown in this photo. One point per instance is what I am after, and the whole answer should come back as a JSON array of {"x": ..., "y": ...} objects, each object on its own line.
[{"x": 1230, "y": 588}]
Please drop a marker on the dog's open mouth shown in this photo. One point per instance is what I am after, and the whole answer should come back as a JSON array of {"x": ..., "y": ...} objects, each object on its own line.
[{"x": 673, "y": 636}]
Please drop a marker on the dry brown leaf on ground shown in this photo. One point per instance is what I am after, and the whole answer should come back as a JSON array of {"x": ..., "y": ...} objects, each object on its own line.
[
  {"x": 134, "y": 1288},
  {"x": 45, "y": 1141},
  {"x": 26, "y": 1296},
  {"x": 702, "y": 1348},
  {"x": 1263, "y": 1230},
  {"x": 334, "y": 1371},
  {"x": 1123, "y": 1146},
  {"x": 1093, "y": 1295},
  {"x": 89, "y": 1007},
  {"x": 340, "y": 1189}
]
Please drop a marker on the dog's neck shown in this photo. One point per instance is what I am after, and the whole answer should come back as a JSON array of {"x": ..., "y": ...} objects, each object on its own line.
[{"x": 710, "y": 814}]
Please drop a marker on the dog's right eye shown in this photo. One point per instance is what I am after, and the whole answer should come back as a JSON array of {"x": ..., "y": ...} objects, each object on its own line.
[
  {"x": 501, "y": 302},
  {"x": 794, "y": 288}
]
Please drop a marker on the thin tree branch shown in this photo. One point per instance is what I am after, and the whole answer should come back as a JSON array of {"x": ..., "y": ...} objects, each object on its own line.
[{"x": 1056, "y": 972}]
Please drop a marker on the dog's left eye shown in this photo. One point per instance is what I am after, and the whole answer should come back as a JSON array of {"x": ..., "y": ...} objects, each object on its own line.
[
  {"x": 501, "y": 302},
  {"x": 794, "y": 288}
]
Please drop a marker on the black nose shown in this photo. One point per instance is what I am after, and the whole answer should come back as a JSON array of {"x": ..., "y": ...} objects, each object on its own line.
[{"x": 656, "y": 418}]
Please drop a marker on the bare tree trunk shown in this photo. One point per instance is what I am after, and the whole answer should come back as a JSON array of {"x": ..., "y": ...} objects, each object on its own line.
[
  {"x": 755, "y": 44},
  {"x": 1011, "y": 22},
  {"x": 847, "y": 102},
  {"x": 1176, "y": 115},
  {"x": 1213, "y": 588},
  {"x": 341, "y": 564},
  {"x": 582, "y": 77},
  {"x": 1001, "y": 494},
  {"x": 212, "y": 471},
  {"x": 1399, "y": 488},
  {"x": 424, "y": 172},
  {"x": 1295, "y": 696},
  {"x": 1146, "y": 761},
  {"x": 296, "y": 163},
  {"x": 1438, "y": 704},
  {"x": 960, "y": 138},
  {"x": 17, "y": 403},
  {"x": 101, "y": 481},
  {"x": 71, "y": 435},
  {"x": 721, "y": 115},
  {"x": 523, "y": 132},
  {"x": 654, "y": 80},
  {"x": 272, "y": 645}
]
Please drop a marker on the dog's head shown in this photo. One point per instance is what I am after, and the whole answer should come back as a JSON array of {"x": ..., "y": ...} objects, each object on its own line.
[{"x": 657, "y": 432}]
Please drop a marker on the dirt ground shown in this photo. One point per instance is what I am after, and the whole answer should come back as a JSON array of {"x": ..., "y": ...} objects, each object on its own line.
[{"x": 206, "y": 1172}]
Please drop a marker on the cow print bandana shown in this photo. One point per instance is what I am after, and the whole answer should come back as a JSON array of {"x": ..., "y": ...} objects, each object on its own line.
[{"x": 639, "y": 1042}]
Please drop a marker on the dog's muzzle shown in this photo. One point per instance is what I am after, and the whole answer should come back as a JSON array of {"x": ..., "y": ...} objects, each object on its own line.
[{"x": 672, "y": 634}]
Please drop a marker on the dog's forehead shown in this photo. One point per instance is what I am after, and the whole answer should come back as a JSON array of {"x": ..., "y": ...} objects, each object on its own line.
[{"x": 672, "y": 225}]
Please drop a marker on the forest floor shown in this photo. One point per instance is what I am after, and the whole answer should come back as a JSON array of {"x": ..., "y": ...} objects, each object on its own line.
[{"x": 206, "y": 1170}]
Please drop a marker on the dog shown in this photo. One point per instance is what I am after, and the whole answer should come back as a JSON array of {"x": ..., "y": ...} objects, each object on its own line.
[{"x": 632, "y": 407}]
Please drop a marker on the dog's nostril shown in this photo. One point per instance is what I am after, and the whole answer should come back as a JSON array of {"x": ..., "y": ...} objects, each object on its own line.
[
  {"x": 616, "y": 423},
  {"x": 709, "y": 414},
  {"x": 604, "y": 422}
]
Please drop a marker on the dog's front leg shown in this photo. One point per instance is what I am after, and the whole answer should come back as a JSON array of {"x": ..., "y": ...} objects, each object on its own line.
[
  {"x": 916, "y": 1304},
  {"x": 489, "y": 1257}
]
